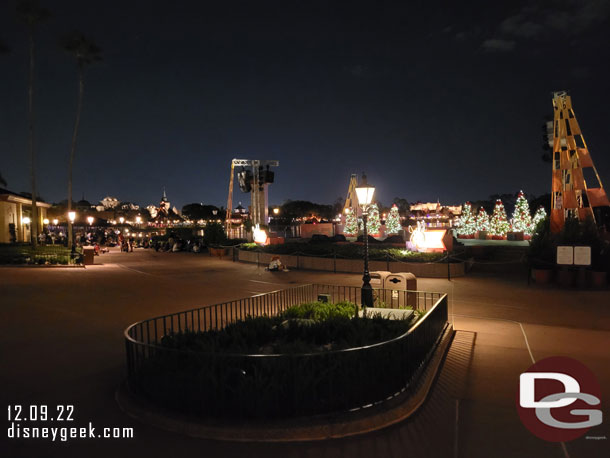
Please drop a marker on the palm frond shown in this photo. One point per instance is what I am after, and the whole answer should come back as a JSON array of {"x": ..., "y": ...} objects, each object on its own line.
[{"x": 82, "y": 48}]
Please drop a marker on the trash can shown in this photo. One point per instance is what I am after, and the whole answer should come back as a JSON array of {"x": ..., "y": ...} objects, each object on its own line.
[
  {"x": 88, "y": 255},
  {"x": 378, "y": 278},
  {"x": 400, "y": 290}
]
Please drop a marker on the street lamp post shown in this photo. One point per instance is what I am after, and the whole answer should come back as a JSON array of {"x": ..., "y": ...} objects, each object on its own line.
[
  {"x": 365, "y": 193},
  {"x": 72, "y": 217}
]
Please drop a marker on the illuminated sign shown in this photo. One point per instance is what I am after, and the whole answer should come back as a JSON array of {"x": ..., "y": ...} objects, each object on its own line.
[
  {"x": 260, "y": 236},
  {"x": 426, "y": 240}
]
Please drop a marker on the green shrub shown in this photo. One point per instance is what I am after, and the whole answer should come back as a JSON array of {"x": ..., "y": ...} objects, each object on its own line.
[
  {"x": 320, "y": 311},
  {"x": 310, "y": 327},
  {"x": 344, "y": 251}
]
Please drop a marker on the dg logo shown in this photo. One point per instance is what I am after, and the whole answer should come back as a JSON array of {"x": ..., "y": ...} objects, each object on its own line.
[{"x": 559, "y": 399}]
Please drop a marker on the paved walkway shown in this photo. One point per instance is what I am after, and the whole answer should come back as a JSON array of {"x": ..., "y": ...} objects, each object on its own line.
[{"x": 61, "y": 343}]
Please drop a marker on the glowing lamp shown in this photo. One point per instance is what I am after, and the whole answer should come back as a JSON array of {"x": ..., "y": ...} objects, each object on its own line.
[
  {"x": 276, "y": 211},
  {"x": 260, "y": 236},
  {"x": 25, "y": 220},
  {"x": 365, "y": 193},
  {"x": 121, "y": 220},
  {"x": 138, "y": 219},
  {"x": 55, "y": 222},
  {"x": 45, "y": 221},
  {"x": 90, "y": 220},
  {"x": 71, "y": 216}
]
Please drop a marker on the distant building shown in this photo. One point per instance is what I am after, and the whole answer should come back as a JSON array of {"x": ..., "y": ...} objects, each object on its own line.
[
  {"x": 152, "y": 209},
  {"x": 128, "y": 206},
  {"x": 164, "y": 214},
  {"x": 108, "y": 203},
  {"x": 240, "y": 210},
  {"x": 433, "y": 214},
  {"x": 15, "y": 216}
]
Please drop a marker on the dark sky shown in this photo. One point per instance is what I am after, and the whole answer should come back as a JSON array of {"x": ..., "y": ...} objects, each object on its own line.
[{"x": 432, "y": 100}]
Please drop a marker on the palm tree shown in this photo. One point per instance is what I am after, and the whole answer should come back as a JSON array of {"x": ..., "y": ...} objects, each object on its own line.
[
  {"x": 31, "y": 14},
  {"x": 3, "y": 50},
  {"x": 86, "y": 52}
]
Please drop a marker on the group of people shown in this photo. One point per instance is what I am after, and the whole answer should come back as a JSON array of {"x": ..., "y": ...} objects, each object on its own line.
[
  {"x": 175, "y": 244},
  {"x": 52, "y": 238}
]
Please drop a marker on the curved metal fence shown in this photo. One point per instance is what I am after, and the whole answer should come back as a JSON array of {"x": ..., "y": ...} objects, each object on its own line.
[{"x": 221, "y": 385}]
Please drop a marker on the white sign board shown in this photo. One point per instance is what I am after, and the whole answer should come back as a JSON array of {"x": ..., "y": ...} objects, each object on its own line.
[
  {"x": 582, "y": 255},
  {"x": 565, "y": 255}
]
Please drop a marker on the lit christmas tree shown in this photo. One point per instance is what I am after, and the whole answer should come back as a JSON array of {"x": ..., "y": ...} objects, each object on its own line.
[
  {"x": 482, "y": 220},
  {"x": 351, "y": 224},
  {"x": 539, "y": 216},
  {"x": 466, "y": 225},
  {"x": 392, "y": 223},
  {"x": 498, "y": 224},
  {"x": 522, "y": 220},
  {"x": 373, "y": 222}
]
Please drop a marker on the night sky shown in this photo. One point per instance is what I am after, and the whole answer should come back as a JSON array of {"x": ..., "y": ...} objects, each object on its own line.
[{"x": 431, "y": 100}]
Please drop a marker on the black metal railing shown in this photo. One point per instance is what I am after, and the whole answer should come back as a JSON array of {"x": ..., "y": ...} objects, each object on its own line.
[{"x": 218, "y": 384}]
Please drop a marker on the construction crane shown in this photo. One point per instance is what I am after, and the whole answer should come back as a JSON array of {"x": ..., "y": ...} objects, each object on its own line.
[
  {"x": 255, "y": 181},
  {"x": 572, "y": 196}
]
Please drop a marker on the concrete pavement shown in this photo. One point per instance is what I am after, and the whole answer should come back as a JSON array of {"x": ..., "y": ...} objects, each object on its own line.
[{"x": 61, "y": 343}]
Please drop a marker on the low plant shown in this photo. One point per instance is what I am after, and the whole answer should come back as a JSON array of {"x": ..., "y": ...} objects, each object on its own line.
[
  {"x": 344, "y": 251},
  {"x": 304, "y": 328}
]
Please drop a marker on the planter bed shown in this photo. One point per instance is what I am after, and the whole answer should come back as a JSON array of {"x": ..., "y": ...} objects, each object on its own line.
[
  {"x": 419, "y": 269},
  {"x": 279, "y": 355},
  {"x": 249, "y": 368}
]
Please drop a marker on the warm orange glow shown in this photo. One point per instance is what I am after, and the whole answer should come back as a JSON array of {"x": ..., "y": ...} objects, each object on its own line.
[
  {"x": 259, "y": 235},
  {"x": 433, "y": 240},
  {"x": 426, "y": 241}
]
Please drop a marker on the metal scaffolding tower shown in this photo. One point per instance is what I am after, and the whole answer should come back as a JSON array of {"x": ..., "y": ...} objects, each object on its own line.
[
  {"x": 571, "y": 195},
  {"x": 256, "y": 181}
]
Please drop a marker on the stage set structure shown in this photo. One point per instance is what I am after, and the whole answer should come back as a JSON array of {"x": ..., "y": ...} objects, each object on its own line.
[
  {"x": 254, "y": 177},
  {"x": 572, "y": 196}
]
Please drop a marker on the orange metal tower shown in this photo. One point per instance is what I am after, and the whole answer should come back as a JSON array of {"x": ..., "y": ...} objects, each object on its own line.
[{"x": 571, "y": 196}]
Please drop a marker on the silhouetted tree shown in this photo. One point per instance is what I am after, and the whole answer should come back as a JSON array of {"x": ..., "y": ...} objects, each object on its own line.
[
  {"x": 402, "y": 204},
  {"x": 30, "y": 13},
  {"x": 86, "y": 52},
  {"x": 197, "y": 211}
]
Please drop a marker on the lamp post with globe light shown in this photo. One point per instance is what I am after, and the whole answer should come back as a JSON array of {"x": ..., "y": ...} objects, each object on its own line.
[
  {"x": 365, "y": 193},
  {"x": 71, "y": 218}
]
